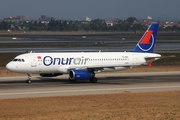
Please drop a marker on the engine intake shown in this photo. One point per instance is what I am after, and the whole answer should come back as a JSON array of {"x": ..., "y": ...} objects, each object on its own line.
[{"x": 80, "y": 75}]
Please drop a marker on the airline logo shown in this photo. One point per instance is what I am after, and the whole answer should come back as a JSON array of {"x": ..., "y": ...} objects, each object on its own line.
[
  {"x": 48, "y": 61},
  {"x": 147, "y": 41}
]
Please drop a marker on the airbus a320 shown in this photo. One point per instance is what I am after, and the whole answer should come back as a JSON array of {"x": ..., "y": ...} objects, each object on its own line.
[{"x": 85, "y": 65}]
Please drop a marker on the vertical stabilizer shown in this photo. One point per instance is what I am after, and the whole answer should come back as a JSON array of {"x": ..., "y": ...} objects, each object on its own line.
[{"x": 147, "y": 42}]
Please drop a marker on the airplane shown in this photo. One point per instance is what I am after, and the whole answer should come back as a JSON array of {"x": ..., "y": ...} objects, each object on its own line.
[{"x": 84, "y": 65}]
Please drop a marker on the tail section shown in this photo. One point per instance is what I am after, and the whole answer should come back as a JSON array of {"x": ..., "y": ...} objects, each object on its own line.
[{"x": 147, "y": 42}]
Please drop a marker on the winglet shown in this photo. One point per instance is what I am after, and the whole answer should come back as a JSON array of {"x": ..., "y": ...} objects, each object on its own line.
[{"x": 147, "y": 42}]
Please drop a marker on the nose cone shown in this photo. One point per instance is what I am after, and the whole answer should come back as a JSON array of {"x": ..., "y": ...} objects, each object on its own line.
[{"x": 10, "y": 67}]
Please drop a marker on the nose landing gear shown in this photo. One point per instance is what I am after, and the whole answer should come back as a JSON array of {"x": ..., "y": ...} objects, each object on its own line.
[{"x": 29, "y": 78}]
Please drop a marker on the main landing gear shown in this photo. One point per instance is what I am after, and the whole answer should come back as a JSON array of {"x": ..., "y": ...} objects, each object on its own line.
[
  {"x": 29, "y": 79},
  {"x": 93, "y": 80}
]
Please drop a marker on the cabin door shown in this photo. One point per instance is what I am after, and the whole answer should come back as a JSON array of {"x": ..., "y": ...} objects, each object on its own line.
[{"x": 33, "y": 61}]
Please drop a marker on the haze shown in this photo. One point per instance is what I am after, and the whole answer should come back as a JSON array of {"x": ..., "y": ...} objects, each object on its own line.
[{"x": 103, "y": 9}]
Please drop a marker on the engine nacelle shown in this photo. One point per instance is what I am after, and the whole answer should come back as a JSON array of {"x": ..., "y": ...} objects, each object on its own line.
[
  {"x": 50, "y": 74},
  {"x": 80, "y": 75}
]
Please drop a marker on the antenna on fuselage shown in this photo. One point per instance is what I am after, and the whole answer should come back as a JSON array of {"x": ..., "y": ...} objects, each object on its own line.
[{"x": 31, "y": 52}]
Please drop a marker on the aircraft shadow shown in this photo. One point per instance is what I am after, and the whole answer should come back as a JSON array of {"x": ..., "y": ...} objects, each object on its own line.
[{"x": 102, "y": 80}]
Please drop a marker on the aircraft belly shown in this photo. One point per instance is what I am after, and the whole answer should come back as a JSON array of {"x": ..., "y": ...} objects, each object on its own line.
[{"x": 48, "y": 69}]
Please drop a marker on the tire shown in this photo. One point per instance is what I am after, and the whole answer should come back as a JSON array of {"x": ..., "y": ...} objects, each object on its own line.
[
  {"x": 28, "y": 81},
  {"x": 93, "y": 80}
]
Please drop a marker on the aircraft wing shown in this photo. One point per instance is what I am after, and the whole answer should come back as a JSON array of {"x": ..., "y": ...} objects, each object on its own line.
[{"x": 97, "y": 67}]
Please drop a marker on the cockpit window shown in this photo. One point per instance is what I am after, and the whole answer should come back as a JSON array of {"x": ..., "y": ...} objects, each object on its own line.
[
  {"x": 18, "y": 60},
  {"x": 15, "y": 60}
]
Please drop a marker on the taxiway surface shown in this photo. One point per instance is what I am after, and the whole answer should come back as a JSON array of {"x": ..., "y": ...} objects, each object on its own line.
[{"x": 108, "y": 83}]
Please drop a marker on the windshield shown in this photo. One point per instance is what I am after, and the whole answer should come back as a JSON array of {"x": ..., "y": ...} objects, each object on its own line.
[{"x": 18, "y": 60}]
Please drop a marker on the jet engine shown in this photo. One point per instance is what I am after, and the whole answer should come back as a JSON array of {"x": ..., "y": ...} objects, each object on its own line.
[
  {"x": 50, "y": 74},
  {"x": 80, "y": 75}
]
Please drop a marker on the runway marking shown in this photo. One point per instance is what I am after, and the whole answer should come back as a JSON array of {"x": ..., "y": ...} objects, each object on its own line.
[{"x": 88, "y": 90}]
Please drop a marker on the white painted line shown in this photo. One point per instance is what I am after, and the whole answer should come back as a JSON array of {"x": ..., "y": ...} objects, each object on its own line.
[{"x": 88, "y": 90}]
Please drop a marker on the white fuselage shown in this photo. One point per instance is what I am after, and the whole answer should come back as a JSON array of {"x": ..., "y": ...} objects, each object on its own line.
[{"x": 63, "y": 62}]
